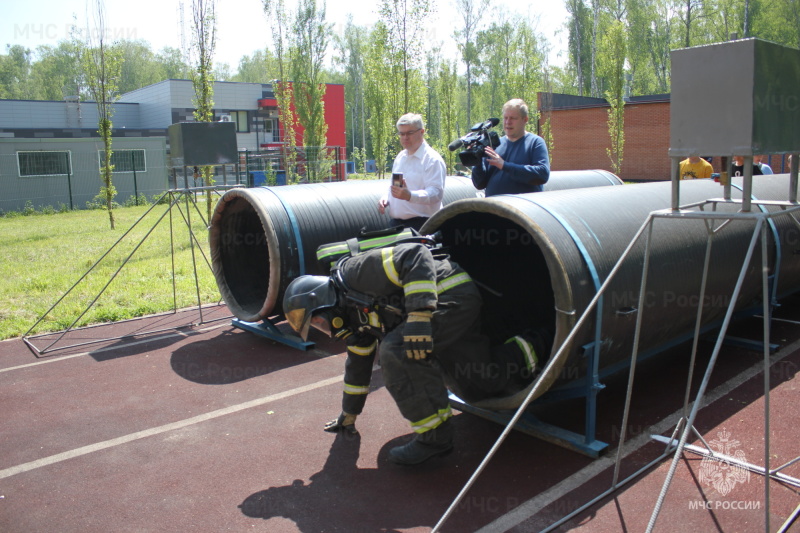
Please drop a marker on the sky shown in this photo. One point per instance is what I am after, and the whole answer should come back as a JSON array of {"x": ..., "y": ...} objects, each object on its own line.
[{"x": 242, "y": 26}]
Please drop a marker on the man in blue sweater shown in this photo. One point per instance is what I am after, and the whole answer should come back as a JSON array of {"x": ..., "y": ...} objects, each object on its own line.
[{"x": 520, "y": 164}]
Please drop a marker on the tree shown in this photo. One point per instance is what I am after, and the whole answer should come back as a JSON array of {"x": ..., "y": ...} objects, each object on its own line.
[
  {"x": 638, "y": 25},
  {"x": 140, "y": 66},
  {"x": 276, "y": 15},
  {"x": 351, "y": 48},
  {"x": 172, "y": 64},
  {"x": 691, "y": 11},
  {"x": 613, "y": 47},
  {"x": 516, "y": 67},
  {"x": 58, "y": 71},
  {"x": 595, "y": 34},
  {"x": 659, "y": 43},
  {"x": 310, "y": 37},
  {"x": 222, "y": 72},
  {"x": 258, "y": 68},
  {"x": 546, "y": 113},
  {"x": 471, "y": 12},
  {"x": 103, "y": 65},
  {"x": 404, "y": 21},
  {"x": 378, "y": 95},
  {"x": 497, "y": 42},
  {"x": 15, "y": 72},
  {"x": 792, "y": 14},
  {"x": 527, "y": 61},
  {"x": 204, "y": 33},
  {"x": 447, "y": 85},
  {"x": 746, "y": 29},
  {"x": 579, "y": 51},
  {"x": 433, "y": 101}
]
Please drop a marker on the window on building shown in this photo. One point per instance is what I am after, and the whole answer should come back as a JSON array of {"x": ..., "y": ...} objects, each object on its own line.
[
  {"x": 242, "y": 124},
  {"x": 125, "y": 160},
  {"x": 44, "y": 163}
]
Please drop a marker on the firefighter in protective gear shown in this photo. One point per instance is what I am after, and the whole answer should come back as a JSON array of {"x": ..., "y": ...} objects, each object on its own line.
[{"x": 421, "y": 314}]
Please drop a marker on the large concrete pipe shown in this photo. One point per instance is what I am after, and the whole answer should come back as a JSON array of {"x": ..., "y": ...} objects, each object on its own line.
[
  {"x": 541, "y": 258},
  {"x": 262, "y": 238}
]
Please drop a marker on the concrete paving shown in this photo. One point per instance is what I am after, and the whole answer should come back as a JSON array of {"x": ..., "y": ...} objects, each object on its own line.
[{"x": 212, "y": 428}]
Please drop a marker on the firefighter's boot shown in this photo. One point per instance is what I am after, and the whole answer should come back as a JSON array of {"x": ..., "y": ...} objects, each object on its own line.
[{"x": 436, "y": 442}]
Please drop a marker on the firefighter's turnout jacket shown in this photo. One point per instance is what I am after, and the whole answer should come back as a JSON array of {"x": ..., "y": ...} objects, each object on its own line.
[{"x": 381, "y": 287}]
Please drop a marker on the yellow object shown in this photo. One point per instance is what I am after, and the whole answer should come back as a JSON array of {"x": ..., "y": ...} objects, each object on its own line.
[{"x": 700, "y": 170}]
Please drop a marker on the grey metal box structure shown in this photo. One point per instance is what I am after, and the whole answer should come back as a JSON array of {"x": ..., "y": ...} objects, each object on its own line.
[
  {"x": 735, "y": 98},
  {"x": 202, "y": 143}
]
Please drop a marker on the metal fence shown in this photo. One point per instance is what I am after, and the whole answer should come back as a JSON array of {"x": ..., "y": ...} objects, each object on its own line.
[
  {"x": 70, "y": 179},
  {"x": 303, "y": 164}
]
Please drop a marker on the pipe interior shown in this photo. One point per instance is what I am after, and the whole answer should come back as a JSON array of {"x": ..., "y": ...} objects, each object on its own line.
[
  {"x": 244, "y": 255},
  {"x": 510, "y": 269}
]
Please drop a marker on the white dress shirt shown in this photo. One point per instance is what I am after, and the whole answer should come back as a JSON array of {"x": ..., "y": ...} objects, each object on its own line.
[{"x": 424, "y": 172}]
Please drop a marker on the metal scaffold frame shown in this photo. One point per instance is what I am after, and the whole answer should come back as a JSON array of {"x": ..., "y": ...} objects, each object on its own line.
[
  {"x": 762, "y": 218},
  {"x": 762, "y": 221},
  {"x": 174, "y": 198}
]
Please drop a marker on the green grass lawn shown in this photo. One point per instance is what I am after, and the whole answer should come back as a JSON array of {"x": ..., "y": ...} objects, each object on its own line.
[{"x": 43, "y": 256}]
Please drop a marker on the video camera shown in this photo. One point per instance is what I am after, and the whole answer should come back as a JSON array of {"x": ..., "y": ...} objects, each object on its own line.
[{"x": 476, "y": 142}]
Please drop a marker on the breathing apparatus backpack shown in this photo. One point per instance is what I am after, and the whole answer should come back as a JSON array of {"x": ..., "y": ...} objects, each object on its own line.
[{"x": 330, "y": 254}]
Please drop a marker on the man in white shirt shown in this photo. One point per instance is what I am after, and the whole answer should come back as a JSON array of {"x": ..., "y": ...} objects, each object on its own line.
[{"x": 420, "y": 192}]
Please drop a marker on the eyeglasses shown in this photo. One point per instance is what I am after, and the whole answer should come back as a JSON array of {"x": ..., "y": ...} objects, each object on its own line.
[{"x": 407, "y": 133}]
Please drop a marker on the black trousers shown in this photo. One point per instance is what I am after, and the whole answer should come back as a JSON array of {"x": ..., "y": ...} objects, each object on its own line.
[
  {"x": 462, "y": 360},
  {"x": 415, "y": 222}
]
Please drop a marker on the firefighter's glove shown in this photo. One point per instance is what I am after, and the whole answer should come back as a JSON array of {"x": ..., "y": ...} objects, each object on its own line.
[
  {"x": 417, "y": 334},
  {"x": 346, "y": 422}
]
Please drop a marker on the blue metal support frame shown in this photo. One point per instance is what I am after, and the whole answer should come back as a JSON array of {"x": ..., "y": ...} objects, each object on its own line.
[
  {"x": 269, "y": 330},
  {"x": 748, "y": 344},
  {"x": 589, "y": 386}
]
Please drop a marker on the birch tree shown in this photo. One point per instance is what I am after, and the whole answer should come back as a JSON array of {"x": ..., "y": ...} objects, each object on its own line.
[
  {"x": 447, "y": 78},
  {"x": 102, "y": 67},
  {"x": 204, "y": 36},
  {"x": 579, "y": 52},
  {"x": 691, "y": 11},
  {"x": 405, "y": 22},
  {"x": 497, "y": 43},
  {"x": 595, "y": 34},
  {"x": 471, "y": 12}
]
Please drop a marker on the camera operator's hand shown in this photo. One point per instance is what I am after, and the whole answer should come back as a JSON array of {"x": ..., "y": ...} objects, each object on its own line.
[{"x": 493, "y": 159}]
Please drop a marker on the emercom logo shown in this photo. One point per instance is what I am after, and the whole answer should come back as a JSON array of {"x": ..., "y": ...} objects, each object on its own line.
[{"x": 719, "y": 471}]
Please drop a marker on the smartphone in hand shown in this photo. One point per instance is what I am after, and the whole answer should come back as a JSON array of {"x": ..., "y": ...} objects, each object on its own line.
[{"x": 397, "y": 179}]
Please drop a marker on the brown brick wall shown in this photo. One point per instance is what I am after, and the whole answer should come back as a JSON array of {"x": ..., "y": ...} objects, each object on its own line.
[{"x": 580, "y": 137}]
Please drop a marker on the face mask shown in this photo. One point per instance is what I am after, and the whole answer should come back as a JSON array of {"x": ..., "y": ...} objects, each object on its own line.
[{"x": 330, "y": 323}]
